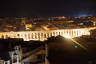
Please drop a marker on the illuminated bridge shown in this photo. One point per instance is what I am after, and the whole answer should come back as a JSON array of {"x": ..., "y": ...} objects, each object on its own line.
[{"x": 43, "y": 35}]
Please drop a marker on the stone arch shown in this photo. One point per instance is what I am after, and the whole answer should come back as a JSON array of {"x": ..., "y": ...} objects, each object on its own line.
[
  {"x": 18, "y": 35},
  {"x": 45, "y": 36},
  {"x": 42, "y": 35},
  {"x": 59, "y": 33},
  {"x": 39, "y": 36},
  {"x": 25, "y": 36},
  {"x": 51, "y": 34},
  {"x": 28, "y": 35},
  {"x": 2, "y": 36},
  {"x": 35, "y": 35},
  {"x": 6, "y": 36},
  {"x": 32, "y": 35},
  {"x": 54, "y": 34}
]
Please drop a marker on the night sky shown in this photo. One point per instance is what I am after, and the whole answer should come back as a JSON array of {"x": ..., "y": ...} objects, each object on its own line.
[{"x": 44, "y": 8}]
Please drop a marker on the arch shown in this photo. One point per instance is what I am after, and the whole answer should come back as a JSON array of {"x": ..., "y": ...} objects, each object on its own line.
[
  {"x": 6, "y": 36},
  {"x": 25, "y": 36},
  {"x": 35, "y": 35},
  {"x": 51, "y": 34},
  {"x": 54, "y": 34},
  {"x": 47, "y": 34},
  {"x": 2, "y": 36},
  {"x": 42, "y": 35},
  {"x": 32, "y": 35},
  {"x": 59, "y": 33},
  {"x": 29, "y": 36},
  {"x": 18, "y": 35}
]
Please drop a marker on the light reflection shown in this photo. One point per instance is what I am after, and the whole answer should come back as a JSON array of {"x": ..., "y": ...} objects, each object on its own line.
[{"x": 79, "y": 44}]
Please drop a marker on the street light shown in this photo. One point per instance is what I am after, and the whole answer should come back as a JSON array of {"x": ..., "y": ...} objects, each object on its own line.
[{"x": 67, "y": 36}]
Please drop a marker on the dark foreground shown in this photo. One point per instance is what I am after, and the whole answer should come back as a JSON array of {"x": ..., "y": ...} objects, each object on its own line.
[{"x": 60, "y": 50}]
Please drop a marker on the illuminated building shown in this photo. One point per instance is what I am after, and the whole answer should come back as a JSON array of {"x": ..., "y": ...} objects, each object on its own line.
[
  {"x": 28, "y": 26},
  {"x": 43, "y": 35}
]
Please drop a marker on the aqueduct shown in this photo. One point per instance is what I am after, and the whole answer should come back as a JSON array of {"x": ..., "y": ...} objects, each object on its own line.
[{"x": 43, "y": 35}]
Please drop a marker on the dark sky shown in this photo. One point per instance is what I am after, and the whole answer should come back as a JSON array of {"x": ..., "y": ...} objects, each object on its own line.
[{"x": 29, "y": 8}]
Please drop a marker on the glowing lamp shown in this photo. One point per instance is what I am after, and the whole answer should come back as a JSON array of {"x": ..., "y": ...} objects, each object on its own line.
[{"x": 67, "y": 36}]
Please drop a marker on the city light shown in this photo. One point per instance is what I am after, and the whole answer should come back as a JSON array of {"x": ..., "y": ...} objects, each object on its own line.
[
  {"x": 84, "y": 15},
  {"x": 43, "y": 35},
  {"x": 67, "y": 36}
]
